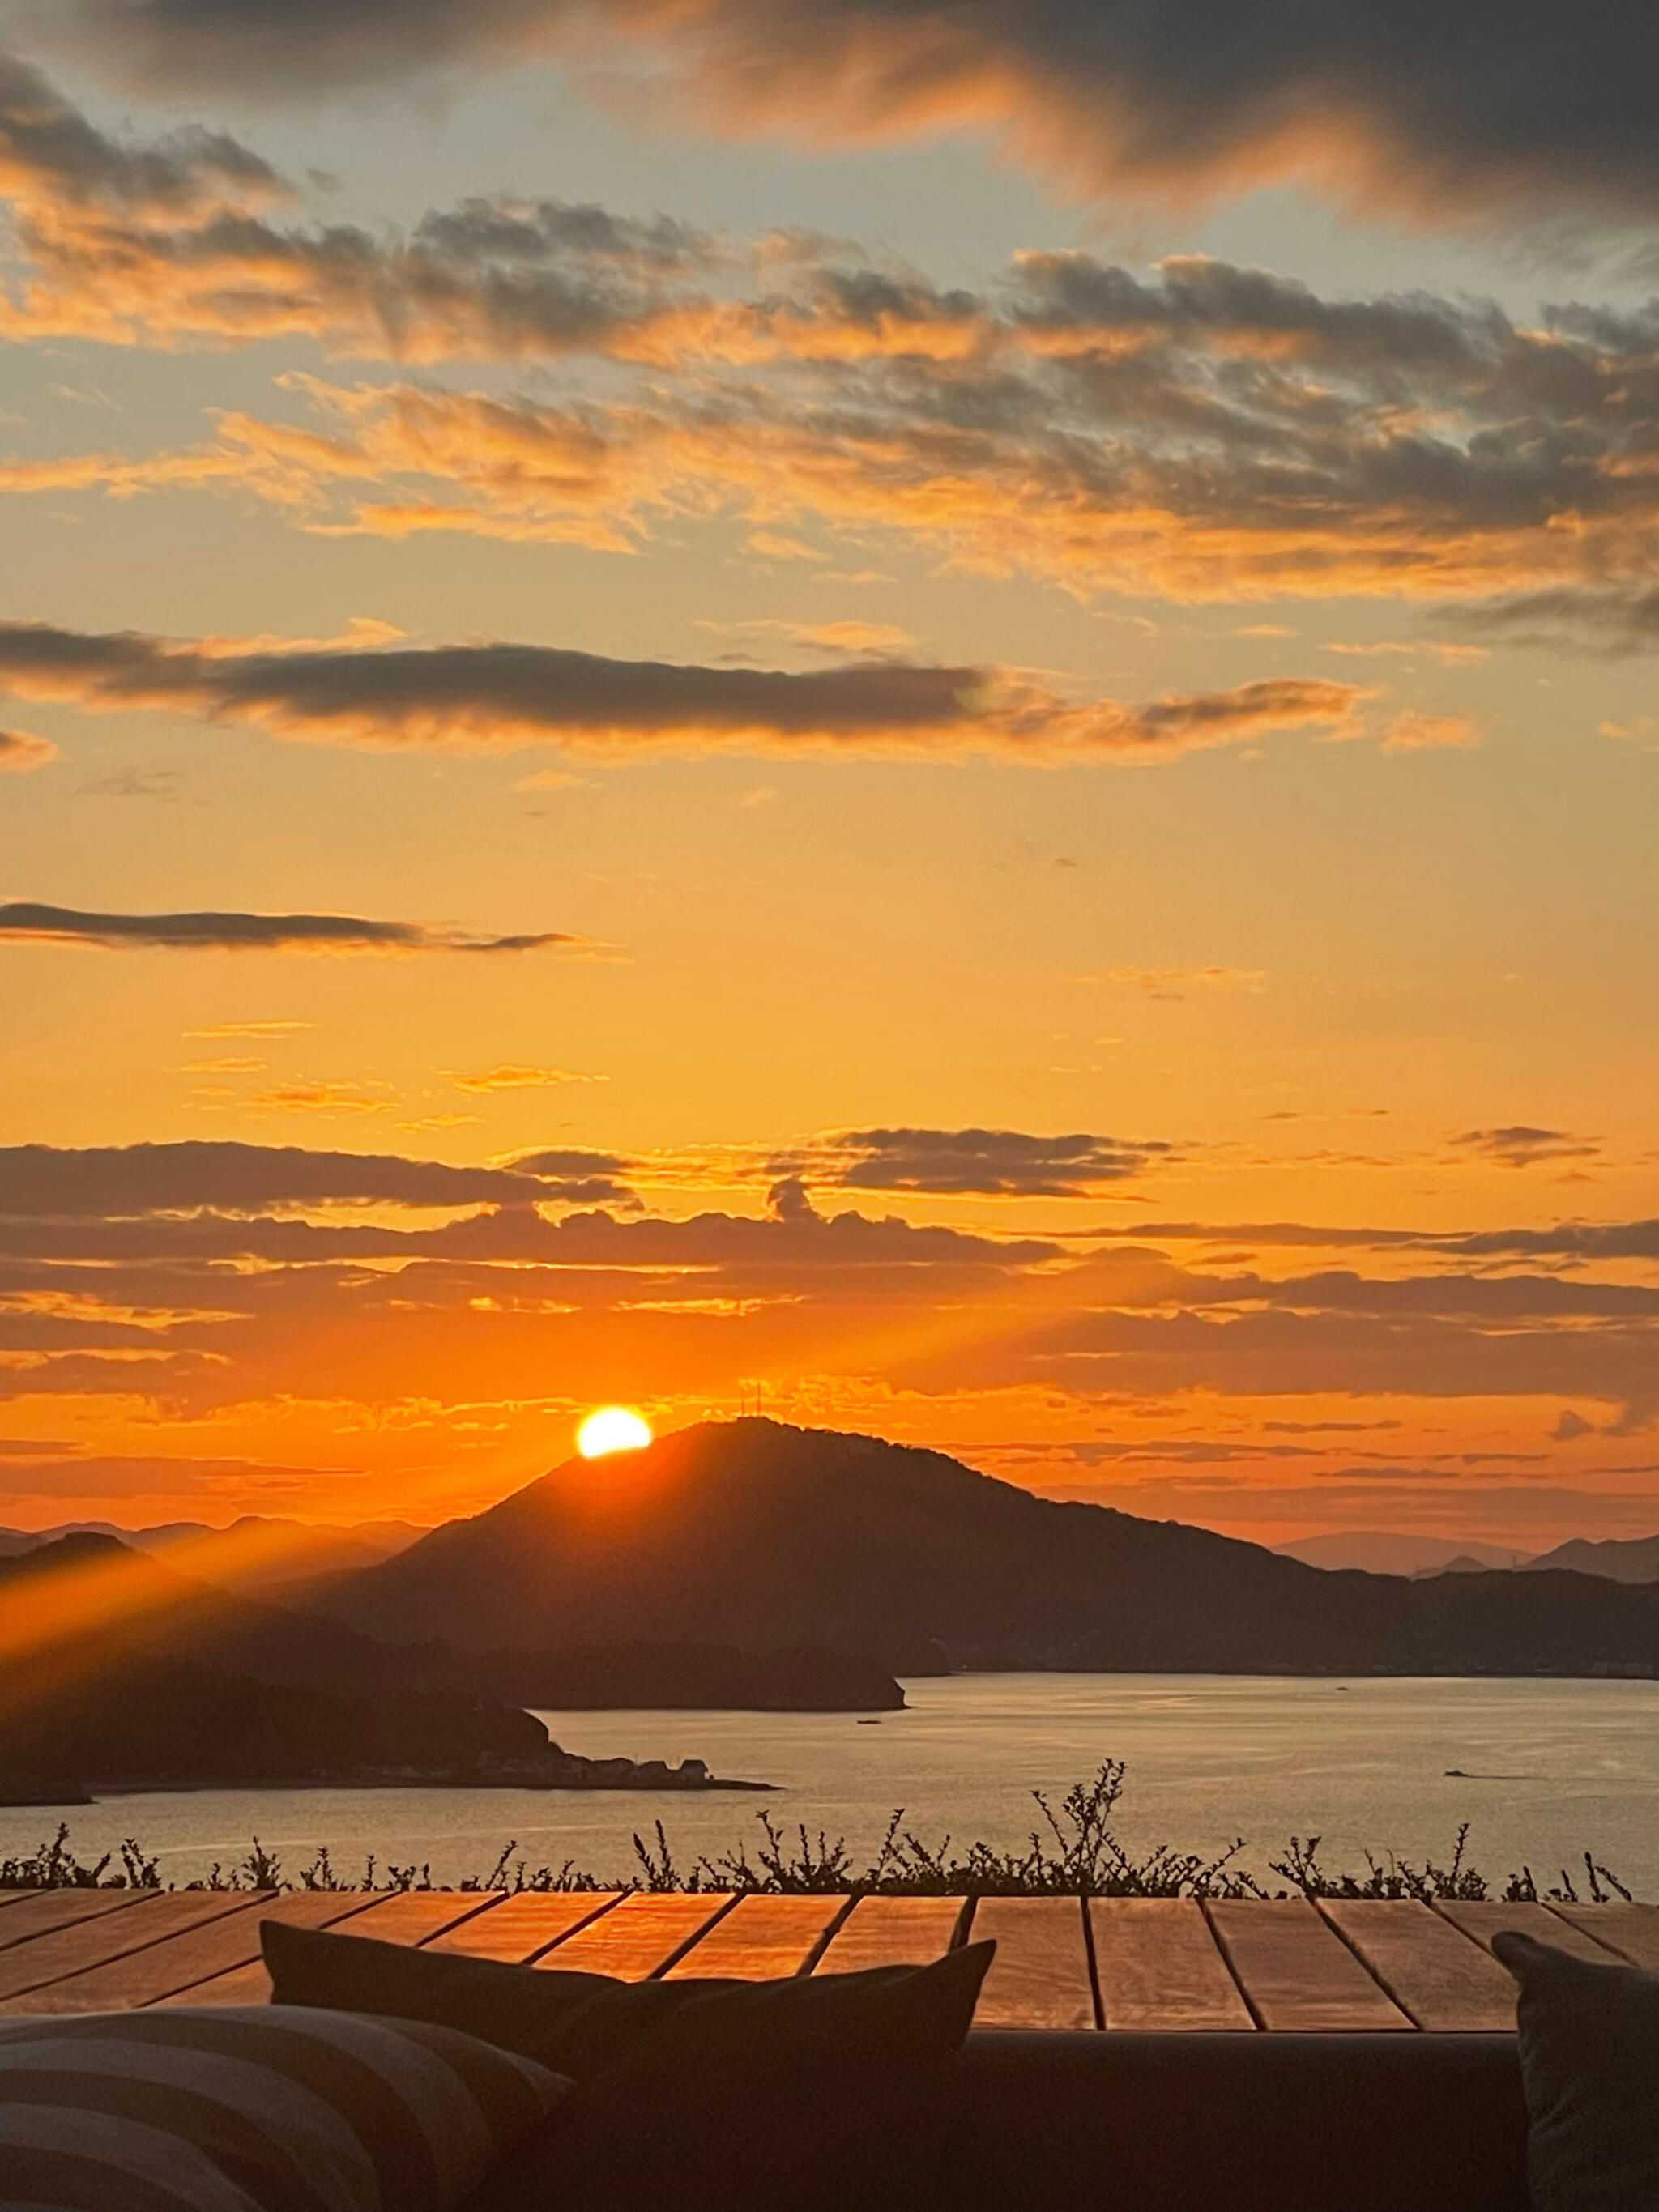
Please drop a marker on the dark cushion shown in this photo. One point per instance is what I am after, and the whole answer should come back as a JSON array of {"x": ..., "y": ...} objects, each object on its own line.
[
  {"x": 1235, "y": 2123},
  {"x": 1589, "y": 2059},
  {"x": 188, "y": 2110},
  {"x": 820, "y": 2095}
]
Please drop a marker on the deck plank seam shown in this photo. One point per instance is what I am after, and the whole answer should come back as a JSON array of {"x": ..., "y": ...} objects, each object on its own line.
[
  {"x": 689, "y": 1943},
  {"x": 1543, "y": 1906},
  {"x": 1380, "y": 1978},
  {"x": 1218, "y": 1937},
  {"x": 201, "y": 1980},
  {"x": 1578, "y": 1928},
  {"x": 1375, "y": 1972},
  {"x": 461, "y": 1919},
  {"x": 605, "y": 1904},
  {"x": 826, "y": 1937},
  {"x": 113, "y": 1957},
  {"x": 1093, "y": 1965},
  {"x": 36, "y": 1934}
]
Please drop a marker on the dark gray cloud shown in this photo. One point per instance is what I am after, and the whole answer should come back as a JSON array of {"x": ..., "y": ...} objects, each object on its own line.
[
  {"x": 1284, "y": 442},
  {"x": 45, "y": 141},
  {"x": 1440, "y": 109},
  {"x": 1569, "y": 1240},
  {"x": 24, "y": 922},
  {"x": 506, "y": 695},
  {"x": 1566, "y": 1240},
  {"x": 1587, "y": 618},
  {"x": 1493, "y": 1298},
  {"x": 1521, "y": 1145},
  {"x": 1292, "y": 1233},
  {"x": 971, "y": 1162},
  {"x": 125, "y": 1181},
  {"x": 177, "y": 238},
  {"x": 560, "y": 1165},
  {"x": 1201, "y": 430}
]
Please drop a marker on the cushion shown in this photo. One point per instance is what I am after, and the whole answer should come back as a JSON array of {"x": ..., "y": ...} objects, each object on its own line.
[
  {"x": 1589, "y": 2064},
  {"x": 1151, "y": 2121},
  {"x": 825, "y": 2093},
  {"x": 244, "y": 2109}
]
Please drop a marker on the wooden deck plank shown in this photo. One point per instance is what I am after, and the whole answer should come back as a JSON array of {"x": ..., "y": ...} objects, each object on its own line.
[
  {"x": 29, "y": 1972},
  {"x": 410, "y": 1917},
  {"x": 1486, "y": 1920},
  {"x": 247, "y": 1982},
  {"x": 172, "y": 1970},
  {"x": 892, "y": 1932},
  {"x": 639, "y": 1938},
  {"x": 1157, "y": 1966},
  {"x": 416, "y": 1916},
  {"x": 1631, "y": 1931},
  {"x": 761, "y": 1939},
  {"x": 1439, "y": 1977},
  {"x": 37, "y": 1913},
  {"x": 1040, "y": 1975},
  {"x": 1297, "y": 1973},
  {"x": 520, "y": 1927}
]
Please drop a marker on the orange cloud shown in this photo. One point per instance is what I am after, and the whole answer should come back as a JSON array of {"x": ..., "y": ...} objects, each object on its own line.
[
  {"x": 1206, "y": 431},
  {"x": 1155, "y": 451},
  {"x": 22, "y": 752},
  {"x": 1176, "y": 982},
  {"x": 514, "y": 1075},
  {"x": 1414, "y": 732}
]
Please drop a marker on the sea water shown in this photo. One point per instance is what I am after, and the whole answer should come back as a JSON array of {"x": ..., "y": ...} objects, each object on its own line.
[{"x": 1546, "y": 1770}]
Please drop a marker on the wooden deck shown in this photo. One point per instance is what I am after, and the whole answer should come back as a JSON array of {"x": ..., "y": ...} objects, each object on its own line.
[{"x": 1141, "y": 1963}]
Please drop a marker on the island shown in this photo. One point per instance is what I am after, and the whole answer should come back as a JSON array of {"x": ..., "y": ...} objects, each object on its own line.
[
  {"x": 189, "y": 1727},
  {"x": 126, "y": 1677}
]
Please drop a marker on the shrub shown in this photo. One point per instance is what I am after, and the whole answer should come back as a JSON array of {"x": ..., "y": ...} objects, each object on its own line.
[{"x": 1072, "y": 1850}]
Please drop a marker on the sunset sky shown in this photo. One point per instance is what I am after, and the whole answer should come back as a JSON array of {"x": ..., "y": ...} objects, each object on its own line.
[{"x": 945, "y": 711}]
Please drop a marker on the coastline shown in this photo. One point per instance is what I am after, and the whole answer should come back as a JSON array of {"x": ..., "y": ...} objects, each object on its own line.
[{"x": 97, "y": 1792}]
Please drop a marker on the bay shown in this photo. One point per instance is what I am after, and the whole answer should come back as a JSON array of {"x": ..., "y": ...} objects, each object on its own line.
[{"x": 1550, "y": 1769}]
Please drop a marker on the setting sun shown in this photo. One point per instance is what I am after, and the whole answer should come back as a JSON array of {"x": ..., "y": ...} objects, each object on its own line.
[{"x": 612, "y": 1429}]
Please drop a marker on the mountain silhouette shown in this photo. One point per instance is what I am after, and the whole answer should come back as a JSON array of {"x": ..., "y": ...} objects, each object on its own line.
[
  {"x": 1394, "y": 1552},
  {"x": 257, "y": 1551},
  {"x": 1629, "y": 1559},
  {"x": 115, "y": 1671},
  {"x": 757, "y": 1534},
  {"x": 102, "y": 1606}
]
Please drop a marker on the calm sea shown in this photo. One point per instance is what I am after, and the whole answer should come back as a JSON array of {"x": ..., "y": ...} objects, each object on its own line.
[{"x": 1549, "y": 1769}]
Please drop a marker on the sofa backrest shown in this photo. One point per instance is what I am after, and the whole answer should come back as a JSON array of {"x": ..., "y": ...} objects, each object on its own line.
[{"x": 1236, "y": 2123}]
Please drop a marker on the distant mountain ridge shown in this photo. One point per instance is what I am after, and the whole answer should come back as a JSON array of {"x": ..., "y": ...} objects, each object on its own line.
[
  {"x": 1387, "y": 1552},
  {"x": 754, "y": 1534},
  {"x": 1394, "y": 1552},
  {"x": 1627, "y": 1559},
  {"x": 258, "y": 1551}
]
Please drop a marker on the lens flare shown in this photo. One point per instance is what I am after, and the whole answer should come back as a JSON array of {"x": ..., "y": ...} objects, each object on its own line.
[{"x": 611, "y": 1429}]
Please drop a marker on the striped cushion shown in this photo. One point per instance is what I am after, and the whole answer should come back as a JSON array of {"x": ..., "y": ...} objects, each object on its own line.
[{"x": 267, "y": 2108}]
